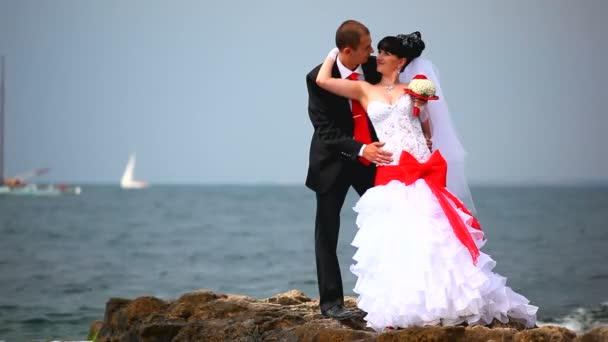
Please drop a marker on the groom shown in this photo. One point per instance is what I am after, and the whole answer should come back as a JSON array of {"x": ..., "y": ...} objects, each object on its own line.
[{"x": 341, "y": 150}]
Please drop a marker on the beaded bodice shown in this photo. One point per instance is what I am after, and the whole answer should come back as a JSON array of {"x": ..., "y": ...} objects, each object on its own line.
[{"x": 397, "y": 126}]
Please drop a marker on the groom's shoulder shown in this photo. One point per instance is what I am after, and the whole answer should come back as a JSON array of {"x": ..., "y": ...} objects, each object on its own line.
[{"x": 312, "y": 74}]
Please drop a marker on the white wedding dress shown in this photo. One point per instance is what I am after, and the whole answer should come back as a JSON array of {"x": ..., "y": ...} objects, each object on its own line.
[{"x": 412, "y": 269}]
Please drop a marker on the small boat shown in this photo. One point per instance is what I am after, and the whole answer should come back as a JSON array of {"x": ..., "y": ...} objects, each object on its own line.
[
  {"x": 40, "y": 190},
  {"x": 127, "y": 181},
  {"x": 18, "y": 185}
]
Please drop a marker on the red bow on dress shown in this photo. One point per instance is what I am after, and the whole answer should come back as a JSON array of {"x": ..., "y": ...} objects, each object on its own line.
[{"x": 434, "y": 172}]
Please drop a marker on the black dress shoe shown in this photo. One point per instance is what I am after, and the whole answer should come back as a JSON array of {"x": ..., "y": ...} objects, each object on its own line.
[{"x": 338, "y": 312}]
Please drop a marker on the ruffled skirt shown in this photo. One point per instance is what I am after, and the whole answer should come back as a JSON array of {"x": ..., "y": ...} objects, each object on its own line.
[{"x": 413, "y": 271}]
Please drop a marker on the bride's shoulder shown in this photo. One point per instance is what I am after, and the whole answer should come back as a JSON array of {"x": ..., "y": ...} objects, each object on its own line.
[{"x": 368, "y": 86}]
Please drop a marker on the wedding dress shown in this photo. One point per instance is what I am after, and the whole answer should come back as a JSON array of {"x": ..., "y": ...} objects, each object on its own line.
[{"x": 418, "y": 260}]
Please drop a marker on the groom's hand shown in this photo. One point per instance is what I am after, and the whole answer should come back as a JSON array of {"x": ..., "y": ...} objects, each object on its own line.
[{"x": 375, "y": 154}]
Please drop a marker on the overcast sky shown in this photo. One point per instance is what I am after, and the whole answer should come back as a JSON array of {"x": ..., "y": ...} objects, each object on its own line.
[{"x": 214, "y": 92}]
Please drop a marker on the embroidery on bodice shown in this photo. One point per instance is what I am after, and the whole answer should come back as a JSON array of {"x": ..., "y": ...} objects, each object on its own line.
[{"x": 396, "y": 126}]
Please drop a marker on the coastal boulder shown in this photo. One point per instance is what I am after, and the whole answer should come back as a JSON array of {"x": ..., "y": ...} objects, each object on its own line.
[{"x": 290, "y": 316}]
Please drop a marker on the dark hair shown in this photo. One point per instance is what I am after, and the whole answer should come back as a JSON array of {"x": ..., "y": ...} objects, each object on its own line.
[
  {"x": 408, "y": 46},
  {"x": 349, "y": 34}
]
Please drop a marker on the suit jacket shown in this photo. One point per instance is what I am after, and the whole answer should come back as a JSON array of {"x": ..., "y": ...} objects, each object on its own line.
[{"x": 332, "y": 146}]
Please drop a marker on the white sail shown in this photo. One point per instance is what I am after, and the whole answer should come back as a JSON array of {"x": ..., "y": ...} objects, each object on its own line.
[{"x": 127, "y": 181}]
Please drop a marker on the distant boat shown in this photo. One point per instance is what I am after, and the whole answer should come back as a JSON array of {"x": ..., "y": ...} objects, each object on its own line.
[
  {"x": 41, "y": 190},
  {"x": 18, "y": 185},
  {"x": 128, "y": 181}
]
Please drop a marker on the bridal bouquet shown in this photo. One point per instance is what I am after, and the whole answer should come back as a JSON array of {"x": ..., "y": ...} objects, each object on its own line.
[{"x": 422, "y": 88}]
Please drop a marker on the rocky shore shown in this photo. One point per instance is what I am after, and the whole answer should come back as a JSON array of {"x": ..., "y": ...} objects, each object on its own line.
[{"x": 291, "y": 316}]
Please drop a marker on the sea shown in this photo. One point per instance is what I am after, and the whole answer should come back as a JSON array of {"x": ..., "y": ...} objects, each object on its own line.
[{"x": 62, "y": 258}]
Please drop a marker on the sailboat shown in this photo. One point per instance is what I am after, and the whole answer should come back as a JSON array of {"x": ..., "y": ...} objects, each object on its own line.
[{"x": 127, "y": 180}]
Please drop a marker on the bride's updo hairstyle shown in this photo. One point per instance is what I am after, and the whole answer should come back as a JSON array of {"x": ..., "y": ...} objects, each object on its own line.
[{"x": 408, "y": 46}]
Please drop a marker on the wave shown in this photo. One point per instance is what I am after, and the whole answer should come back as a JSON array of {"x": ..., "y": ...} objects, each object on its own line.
[{"x": 581, "y": 320}]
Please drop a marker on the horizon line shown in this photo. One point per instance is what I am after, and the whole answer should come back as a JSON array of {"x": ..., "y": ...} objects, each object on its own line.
[{"x": 291, "y": 184}]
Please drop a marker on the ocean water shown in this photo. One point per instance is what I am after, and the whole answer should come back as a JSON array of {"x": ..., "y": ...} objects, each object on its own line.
[{"x": 62, "y": 258}]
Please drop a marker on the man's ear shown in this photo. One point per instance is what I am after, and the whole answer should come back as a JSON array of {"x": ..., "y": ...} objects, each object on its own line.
[{"x": 347, "y": 51}]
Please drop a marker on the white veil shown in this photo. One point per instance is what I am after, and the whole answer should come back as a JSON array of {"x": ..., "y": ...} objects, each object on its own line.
[{"x": 444, "y": 136}]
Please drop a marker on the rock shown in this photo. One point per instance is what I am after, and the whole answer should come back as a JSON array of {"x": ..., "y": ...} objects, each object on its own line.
[
  {"x": 425, "y": 334},
  {"x": 94, "y": 329},
  {"x": 291, "y": 316},
  {"x": 293, "y": 297},
  {"x": 595, "y": 335},
  {"x": 547, "y": 333},
  {"x": 479, "y": 333}
]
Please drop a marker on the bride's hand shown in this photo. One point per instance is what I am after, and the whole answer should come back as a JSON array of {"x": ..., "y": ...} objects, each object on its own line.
[
  {"x": 419, "y": 102},
  {"x": 333, "y": 54}
]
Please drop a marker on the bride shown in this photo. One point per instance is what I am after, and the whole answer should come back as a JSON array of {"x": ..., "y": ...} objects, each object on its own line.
[{"x": 418, "y": 260}]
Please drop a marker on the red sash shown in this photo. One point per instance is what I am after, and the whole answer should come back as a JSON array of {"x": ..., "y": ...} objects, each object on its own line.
[{"x": 434, "y": 172}]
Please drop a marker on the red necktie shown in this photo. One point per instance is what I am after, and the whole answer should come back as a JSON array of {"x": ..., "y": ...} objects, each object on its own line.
[{"x": 362, "y": 133}]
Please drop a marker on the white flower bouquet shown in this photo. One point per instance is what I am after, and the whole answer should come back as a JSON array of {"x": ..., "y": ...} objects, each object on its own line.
[{"x": 422, "y": 88}]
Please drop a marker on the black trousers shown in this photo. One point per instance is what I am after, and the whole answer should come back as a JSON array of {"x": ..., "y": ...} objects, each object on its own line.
[{"x": 327, "y": 227}]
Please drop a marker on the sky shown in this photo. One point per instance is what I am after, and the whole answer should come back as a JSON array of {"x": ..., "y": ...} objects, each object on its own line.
[{"x": 214, "y": 92}]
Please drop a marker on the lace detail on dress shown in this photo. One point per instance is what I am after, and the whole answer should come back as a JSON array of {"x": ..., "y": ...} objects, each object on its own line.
[{"x": 397, "y": 126}]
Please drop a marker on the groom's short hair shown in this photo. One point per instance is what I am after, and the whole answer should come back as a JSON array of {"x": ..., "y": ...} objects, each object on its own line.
[{"x": 349, "y": 34}]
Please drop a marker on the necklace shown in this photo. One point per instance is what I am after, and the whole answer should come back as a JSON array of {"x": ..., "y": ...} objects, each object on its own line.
[{"x": 389, "y": 88}]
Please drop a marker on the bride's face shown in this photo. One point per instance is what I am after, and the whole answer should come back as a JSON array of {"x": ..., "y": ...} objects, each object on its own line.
[{"x": 388, "y": 63}]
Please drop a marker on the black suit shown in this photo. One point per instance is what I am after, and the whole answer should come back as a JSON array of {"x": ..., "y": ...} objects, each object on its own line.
[{"x": 333, "y": 168}]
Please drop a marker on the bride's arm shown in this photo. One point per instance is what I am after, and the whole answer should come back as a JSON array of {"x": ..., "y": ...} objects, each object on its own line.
[
  {"x": 426, "y": 130},
  {"x": 338, "y": 86},
  {"x": 425, "y": 123}
]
